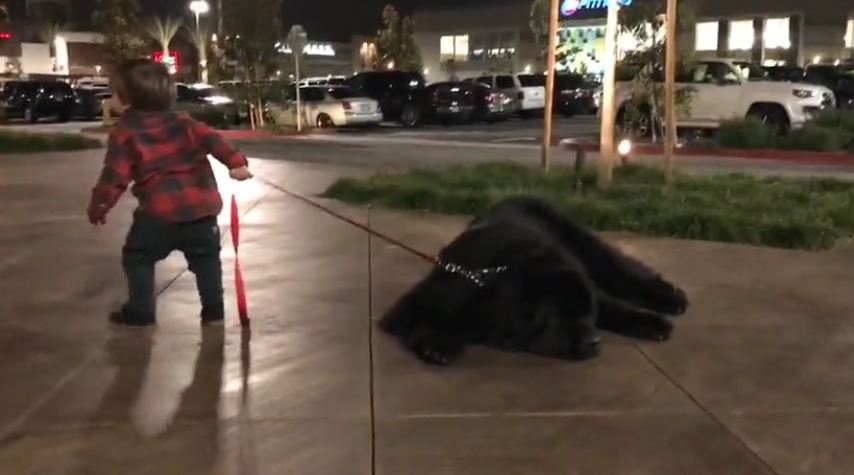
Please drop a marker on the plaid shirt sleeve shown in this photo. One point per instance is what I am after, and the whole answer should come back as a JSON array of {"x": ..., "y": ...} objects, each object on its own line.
[
  {"x": 117, "y": 172},
  {"x": 215, "y": 145}
]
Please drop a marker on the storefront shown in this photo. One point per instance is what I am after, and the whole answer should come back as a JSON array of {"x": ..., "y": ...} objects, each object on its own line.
[{"x": 495, "y": 36}]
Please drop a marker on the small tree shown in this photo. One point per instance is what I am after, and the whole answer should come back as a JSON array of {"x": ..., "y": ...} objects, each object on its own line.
[
  {"x": 539, "y": 24},
  {"x": 162, "y": 30},
  {"x": 118, "y": 20},
  {"x": 252, "y": 30},
  {"x": 644, "y": 22},
  {"x": 396, "y": 42}
]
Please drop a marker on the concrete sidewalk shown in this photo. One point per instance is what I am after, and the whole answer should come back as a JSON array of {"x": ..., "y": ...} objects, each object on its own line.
[{"x": 757, "y": 379}]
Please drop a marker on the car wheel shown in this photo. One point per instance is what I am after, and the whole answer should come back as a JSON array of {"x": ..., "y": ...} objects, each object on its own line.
[
  {"x": 324, "y": 122},
  {"x": 410, "y": 116},
  {"x": 64, "y": 117},
  {"x": 773, "y": 116},
  {"x": 30, "y": 115}
]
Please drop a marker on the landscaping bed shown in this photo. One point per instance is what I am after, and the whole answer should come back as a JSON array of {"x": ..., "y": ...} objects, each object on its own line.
[
  {"x": 21, "y": 142},
  {"x": 812, "y": 214}
]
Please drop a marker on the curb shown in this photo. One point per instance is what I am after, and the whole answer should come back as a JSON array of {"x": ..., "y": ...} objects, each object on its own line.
[{"x": 836, "y": 158}]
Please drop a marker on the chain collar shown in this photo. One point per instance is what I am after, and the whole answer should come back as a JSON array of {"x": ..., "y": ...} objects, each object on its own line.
[{"x": 478, "y": 277}]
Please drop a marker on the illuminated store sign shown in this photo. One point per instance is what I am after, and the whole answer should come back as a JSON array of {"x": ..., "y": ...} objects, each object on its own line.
[
  {"x": 570, "y": 7},
  {"x": 311, "y": 49}
]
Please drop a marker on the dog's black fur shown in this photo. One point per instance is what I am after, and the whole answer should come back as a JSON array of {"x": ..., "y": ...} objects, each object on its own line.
[{"x": 561, "y": 284}]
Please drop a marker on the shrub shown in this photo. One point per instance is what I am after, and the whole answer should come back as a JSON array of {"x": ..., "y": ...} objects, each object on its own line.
[
  {"x": 841, "y": 119},
  {"x": 748, "y": 133},
  {"x": 20, "y": 142},
  {"x": 779, "y": 212},
  {"x": 817, "y": 138}
]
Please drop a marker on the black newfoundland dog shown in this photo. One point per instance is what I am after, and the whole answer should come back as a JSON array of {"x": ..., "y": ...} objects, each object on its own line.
[{"x": 523, "y": 277}]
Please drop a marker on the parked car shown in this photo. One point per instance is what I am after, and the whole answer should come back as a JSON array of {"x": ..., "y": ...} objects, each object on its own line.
[
  {"x": 88, "y": 100},
  {"x": 838, "y": 78},
  {"x": 208, "y": 104},
  {"x": 527, "y": 90},
  {"x": 457, "y": 101},
  {"x": 34, "y": 100},
  {"x": 398, "y": 93},
  {"x": 575, "y": 95},
  {"x": 328, "y": 106},
  {"x": 719, "y": 92},
  {"x": 323, "y": 81}
]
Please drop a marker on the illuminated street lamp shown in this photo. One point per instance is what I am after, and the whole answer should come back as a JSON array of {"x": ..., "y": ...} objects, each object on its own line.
[{"x": 199, "y": 7}]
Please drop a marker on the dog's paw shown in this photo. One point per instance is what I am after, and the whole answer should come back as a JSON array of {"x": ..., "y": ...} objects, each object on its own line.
[
  {"x": 655, "y": 329},
  {"x": 668, "y": 299},
  {"x": 437, "y": 356}
]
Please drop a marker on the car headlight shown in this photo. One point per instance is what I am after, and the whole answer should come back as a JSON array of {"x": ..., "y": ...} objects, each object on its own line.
[{"x": 802, "y": 93}]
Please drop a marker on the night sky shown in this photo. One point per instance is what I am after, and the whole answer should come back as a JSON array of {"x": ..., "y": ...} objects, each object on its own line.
[{"x": 330, "y": 20}]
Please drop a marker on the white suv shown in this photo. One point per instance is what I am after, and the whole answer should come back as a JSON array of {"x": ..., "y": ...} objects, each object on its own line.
[
  {"x": 528, "y": 91},
  {"x": 720, "y": 92}
]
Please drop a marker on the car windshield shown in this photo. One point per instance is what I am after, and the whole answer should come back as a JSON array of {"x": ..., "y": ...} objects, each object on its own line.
[
  {"x": 532, "y": 80},
  {"x": 342, "y": 93}
]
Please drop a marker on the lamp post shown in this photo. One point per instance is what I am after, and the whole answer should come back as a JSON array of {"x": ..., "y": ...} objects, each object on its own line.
[
  {"x": 297, "y": 39},
  {"x": 201, "y": 7}
]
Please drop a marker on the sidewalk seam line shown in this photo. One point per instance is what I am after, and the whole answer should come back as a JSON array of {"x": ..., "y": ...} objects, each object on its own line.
[{"x": 712, "y": 416}]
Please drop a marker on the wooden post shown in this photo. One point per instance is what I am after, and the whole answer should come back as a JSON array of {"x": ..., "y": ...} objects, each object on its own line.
[
  {"x": 550, "y": 83},
  {"x": 670, "y": 90},
  {"x": 609, "y": 107}
]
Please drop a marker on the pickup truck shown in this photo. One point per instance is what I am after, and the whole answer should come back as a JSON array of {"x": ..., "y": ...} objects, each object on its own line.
[{"x": 719, "y": 91}]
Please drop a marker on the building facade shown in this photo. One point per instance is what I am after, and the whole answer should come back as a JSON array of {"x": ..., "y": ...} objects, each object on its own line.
[{"x": 495, "y": 36}]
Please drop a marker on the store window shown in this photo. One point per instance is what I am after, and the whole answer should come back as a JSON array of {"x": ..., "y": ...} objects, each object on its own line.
[
  {"x": 706, "y": 36},
  {"x": 777, "y": 33},
  {"x": 454, "y": 48},
  {"x": 741, "y": 35}
]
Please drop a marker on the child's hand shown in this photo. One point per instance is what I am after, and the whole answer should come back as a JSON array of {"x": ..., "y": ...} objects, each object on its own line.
[
  {"x": 240, "y": 174},
  {"x": 97, "y": 214}
]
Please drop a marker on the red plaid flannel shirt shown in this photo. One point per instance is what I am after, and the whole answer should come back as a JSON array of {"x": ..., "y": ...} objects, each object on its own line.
[{"x": 165, "y": 155}]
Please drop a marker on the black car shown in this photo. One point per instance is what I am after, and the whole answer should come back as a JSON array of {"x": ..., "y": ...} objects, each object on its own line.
[
  {"x": 465, "y": 102},
  {"x": 400, "y": 94},
  {"x": 574, "y": 94},
  {"x": 87, "y": 102},
  {"x": 34, "y": 100},
  {"x": 784, "y": 73},
  {"x": 839, "y": 79}
]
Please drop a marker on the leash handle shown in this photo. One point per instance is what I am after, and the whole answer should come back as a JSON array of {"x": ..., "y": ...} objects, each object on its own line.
[{"x": 240, "y": 287}]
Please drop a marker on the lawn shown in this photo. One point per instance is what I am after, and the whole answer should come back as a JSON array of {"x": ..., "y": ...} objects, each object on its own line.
[
  {"x": 813, "y": 214},
  {"x": 22, "y": 142}
]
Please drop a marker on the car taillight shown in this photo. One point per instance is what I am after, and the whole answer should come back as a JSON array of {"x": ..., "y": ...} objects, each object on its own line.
[{"x": 346, "y": 105}]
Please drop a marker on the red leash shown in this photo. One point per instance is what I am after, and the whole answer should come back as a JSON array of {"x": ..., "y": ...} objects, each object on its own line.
[{"x": 240, "y": 287}]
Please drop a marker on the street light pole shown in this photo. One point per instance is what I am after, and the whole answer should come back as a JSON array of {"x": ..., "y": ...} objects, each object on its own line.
[
  {"x": 200, "y": 7},
  {"x": 606, "y": 131},
  {"x": 297, "y": 39},
  {"x": 550, "y": 84}
]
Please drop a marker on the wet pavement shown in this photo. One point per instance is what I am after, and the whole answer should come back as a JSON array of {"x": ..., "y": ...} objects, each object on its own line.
[{"x": 757, "y": 379}]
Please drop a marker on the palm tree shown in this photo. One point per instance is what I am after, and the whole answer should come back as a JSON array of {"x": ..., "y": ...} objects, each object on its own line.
[
  {"x": 199, "y": 37},
  {"x": 163, "y": 30}
]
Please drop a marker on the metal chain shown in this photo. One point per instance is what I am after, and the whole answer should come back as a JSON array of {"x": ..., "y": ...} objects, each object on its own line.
[{"x": 476, "y": 276}]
